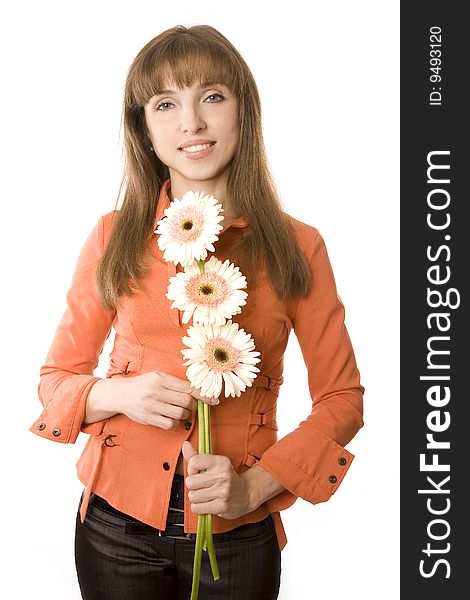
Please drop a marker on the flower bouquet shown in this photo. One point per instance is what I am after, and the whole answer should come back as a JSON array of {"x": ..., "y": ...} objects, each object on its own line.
[{"x": 210, "y": 292}]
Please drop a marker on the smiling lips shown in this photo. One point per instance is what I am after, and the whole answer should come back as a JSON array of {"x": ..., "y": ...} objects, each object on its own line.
[{"x": 197, "y": 148}]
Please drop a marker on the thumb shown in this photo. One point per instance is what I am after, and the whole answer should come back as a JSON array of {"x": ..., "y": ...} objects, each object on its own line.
[{"x": 188, "y": 450}]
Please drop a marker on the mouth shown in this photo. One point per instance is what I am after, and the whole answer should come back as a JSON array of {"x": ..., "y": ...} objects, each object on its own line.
[{"x": 196, "y": 147}]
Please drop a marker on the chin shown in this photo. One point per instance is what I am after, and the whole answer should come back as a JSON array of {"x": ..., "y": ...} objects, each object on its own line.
[{"x": 198, "y": 173}]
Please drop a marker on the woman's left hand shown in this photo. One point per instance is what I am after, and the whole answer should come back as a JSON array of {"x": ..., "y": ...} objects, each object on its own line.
[{"x": 219, "y": 490}]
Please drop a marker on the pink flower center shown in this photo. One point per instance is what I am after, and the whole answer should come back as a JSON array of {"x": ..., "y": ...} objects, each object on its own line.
[
  {"x": 220, "y": 355},
  {"x": 187, "y": 225},
  {"x": 207, "y": 289}
]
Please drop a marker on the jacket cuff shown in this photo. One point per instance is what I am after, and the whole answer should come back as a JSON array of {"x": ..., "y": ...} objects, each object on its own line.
[
  {"x": 65, "y": 424},
  {"x": 313, "y": 476}
]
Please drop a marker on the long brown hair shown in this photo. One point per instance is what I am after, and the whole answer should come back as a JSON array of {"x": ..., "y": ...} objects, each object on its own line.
[{"x": 186, "y": 56}]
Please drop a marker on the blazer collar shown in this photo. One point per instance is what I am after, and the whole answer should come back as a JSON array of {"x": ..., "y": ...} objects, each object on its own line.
[{"x": 164, "y": 202}]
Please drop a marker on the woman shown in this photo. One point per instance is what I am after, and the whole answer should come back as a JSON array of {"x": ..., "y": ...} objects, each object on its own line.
[{"x": 192, "y": 121}]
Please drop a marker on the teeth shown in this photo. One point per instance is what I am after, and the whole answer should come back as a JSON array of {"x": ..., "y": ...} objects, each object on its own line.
[{"x": 196, "y": 148}]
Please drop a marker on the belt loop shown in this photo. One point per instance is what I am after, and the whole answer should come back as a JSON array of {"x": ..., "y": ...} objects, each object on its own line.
[{"x": 269, "y": 383}]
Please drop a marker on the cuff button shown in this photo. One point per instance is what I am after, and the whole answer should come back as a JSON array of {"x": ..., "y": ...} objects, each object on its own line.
[
  {"x": 41, "y": 426},
  {"x": 332, "y": 479},
  {"x": 342, "y": 461},
  {"x": 56, "y": 432}
]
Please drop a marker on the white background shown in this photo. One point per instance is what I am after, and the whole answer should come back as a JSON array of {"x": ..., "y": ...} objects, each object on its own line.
[{"x": 328, "y": 78}]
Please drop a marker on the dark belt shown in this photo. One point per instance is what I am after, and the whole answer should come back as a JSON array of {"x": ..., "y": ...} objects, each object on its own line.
[{"x": 175, "y": 519}]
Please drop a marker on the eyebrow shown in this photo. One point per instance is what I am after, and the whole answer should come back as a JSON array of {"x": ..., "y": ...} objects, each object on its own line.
[{"x": 203, "y": 85}]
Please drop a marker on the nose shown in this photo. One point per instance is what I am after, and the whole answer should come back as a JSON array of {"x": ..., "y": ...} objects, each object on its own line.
[{"x": 191, "y": 119}]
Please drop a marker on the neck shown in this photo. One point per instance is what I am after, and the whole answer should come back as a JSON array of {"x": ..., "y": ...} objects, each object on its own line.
[{"x": 218, "y": 189}]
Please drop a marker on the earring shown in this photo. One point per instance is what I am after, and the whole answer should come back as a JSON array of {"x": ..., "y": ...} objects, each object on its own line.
[{"x": 151, "y": 149}]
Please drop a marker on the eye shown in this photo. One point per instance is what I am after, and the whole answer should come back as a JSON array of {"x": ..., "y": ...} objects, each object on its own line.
[
  {"x": 212, "y": 99},
  {"x": 162, "y": 106},
  {"x": 215, "y": 96}
]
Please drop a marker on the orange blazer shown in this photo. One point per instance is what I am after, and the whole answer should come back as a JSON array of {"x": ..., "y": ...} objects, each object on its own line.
[{"x": 131, "y": 465}]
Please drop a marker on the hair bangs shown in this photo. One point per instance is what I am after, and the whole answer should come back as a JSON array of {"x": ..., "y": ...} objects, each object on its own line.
[{"x": 184, "y": 61}]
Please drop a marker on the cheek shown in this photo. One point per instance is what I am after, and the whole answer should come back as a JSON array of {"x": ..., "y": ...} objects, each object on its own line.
[
  {"x": 160, "y": 129},
  {"x": 163, "y": 141},
  {"x": 230, "y": 124}
]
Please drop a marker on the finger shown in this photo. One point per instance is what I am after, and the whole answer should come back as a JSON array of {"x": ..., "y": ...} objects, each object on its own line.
[
  {"x": 201, "y": 462},
  {"x": 203, "y": 495},
  {"x": 181, "y": 392},
  {"x": 177, "y": 384},
  {"x": 165, "y": 423},
  {"x": 206, "y": 508},
  {"x": 199, "y": 481},
  {"x": 177, "y": 398},
  {"x": 171, "y": 411},
  {"x": 174, "y": 383},
  {"x": 208, "y": 400},
  {"x": 188, "y": 450}
]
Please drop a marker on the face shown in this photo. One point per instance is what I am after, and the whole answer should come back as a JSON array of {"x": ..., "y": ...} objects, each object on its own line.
[{"x": 195, "y": 132}]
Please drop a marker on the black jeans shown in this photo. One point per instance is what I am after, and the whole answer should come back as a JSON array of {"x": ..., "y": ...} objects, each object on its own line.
[{"x": 118, "y": 557}]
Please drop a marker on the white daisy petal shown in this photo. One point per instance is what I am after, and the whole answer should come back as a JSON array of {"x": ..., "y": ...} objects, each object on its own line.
[
  {"x": 209, "y": 296},
  {"x": 229, "y": 387},
  {"x": 196, "y": 370},
  {"x": 214, "y": 357},
  {"x": 189, "y": 228}
]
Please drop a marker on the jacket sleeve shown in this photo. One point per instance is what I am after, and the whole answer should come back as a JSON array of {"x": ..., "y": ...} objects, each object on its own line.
[
  {"x": 311, "y": 461},
  {"x": 67, "y": 375}
]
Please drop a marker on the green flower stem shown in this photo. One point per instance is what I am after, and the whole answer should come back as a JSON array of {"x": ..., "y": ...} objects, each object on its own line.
[
  {"x": 202, "y": 450},
  {"x": 201, "y": 423},
  {"x": 210, "y": 548},
  {"x": 204, "y": 538},
  {"x": 197, "y": 558},
  {"x": 204, "y": 527},
  {"x": 207, "y": 427},
  {"x": 201, "y": 524},
  {"x": 209, "y": 434},
  {"x": 208, "y": 541},
  {"x": 205, "y": 445}
]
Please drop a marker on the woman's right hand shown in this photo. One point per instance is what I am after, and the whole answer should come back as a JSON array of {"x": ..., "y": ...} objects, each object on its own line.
[{"x": 152, "y": 398}]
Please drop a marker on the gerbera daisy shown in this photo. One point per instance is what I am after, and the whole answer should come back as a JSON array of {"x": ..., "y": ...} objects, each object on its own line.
[
  {"x": 219, "y": 353},
  {"x": 189, "y": 228},
  {"x": 209, "y": 297}
]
